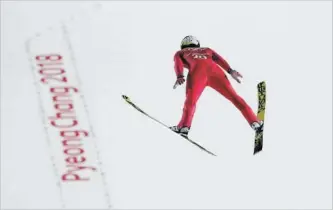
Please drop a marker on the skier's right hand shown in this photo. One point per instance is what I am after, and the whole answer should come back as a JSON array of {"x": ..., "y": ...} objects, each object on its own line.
[
  {"x": 235, "y": 74},
  {"x": 180, "y": 80}
]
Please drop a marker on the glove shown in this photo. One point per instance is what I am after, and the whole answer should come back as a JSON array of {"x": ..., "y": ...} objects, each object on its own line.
[
  {"x": 180, "y": 80},
  {"x": 235, "y": 74}
]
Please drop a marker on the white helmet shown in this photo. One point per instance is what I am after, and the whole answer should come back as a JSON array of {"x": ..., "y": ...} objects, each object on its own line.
[{"x": 189, "y": 41}]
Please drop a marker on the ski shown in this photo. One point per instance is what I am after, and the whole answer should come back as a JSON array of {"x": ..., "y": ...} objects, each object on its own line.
[
  {"x": 259, "y": 136},
  {"x": 128, "y": 100}
]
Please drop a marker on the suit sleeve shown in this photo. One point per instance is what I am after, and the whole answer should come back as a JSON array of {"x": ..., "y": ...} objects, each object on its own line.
[
  {"x": 221, "y": 61},
  {"x": 179, "y": 65}
]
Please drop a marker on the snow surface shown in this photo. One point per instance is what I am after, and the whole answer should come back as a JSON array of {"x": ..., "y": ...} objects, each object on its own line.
[{"x": 115, "y": 48}]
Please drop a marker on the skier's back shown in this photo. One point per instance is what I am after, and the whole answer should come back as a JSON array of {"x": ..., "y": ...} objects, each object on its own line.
[
  {"x": 206, "y": 69},
  {"x": 192, "y": 57}
]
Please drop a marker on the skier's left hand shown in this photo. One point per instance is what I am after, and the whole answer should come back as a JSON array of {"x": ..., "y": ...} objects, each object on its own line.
[
  {"x": 180, "y": 80},
  {"x": 236, "y": 75}
]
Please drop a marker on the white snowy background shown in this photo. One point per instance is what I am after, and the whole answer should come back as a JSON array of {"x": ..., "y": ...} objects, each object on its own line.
[{"x": 127, "y": 48}]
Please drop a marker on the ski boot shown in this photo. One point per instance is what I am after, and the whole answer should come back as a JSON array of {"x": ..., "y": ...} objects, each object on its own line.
[
  {"x": 257, "y": 126},
  {"x": 183, "y": 131}
]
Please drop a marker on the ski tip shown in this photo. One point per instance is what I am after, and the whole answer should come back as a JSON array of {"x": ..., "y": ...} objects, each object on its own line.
[
  {"x": 126, "y": 98},
  {"x": 261, "y": 83}
]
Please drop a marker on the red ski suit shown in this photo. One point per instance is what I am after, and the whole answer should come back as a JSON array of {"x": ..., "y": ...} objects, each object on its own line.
[{"x": 204, "y": 66}]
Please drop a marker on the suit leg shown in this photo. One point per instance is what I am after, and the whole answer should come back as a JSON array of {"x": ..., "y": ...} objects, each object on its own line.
[
  {"x": 219, "y": 81},
  {"x": 195, "y": 85}
]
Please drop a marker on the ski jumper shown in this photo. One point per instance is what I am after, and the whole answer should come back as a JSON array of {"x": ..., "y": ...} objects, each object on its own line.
[{"x": 204, "y": 66}]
